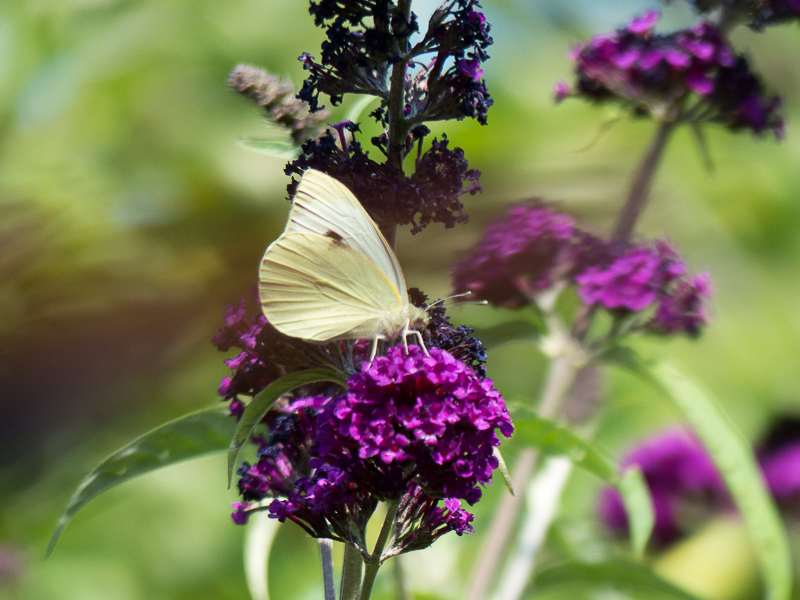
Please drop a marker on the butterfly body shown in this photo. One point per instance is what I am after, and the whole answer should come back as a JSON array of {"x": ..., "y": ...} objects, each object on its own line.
[{"x": 331, "y": 275}]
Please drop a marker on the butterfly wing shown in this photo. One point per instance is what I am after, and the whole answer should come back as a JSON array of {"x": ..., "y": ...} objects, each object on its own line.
[
  {"x": 319, "y": 288},
  {"x": 323, "y": 204}
]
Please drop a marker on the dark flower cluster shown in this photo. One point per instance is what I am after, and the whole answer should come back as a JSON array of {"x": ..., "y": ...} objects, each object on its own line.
[
  {"x": 431, "y": 194},
  {"x": 755, "y": 13},
  {"x": 683, "y": 482},
  {"x": 413, "y": 428},
  {"x": 533, "y": 249},
  {"x": 426, "y": 418},
  {"x": 455, "y": 340},
  {"x": 277, "y": 98},
  {"x": 366, "y": 39},
  {"x": 691, "y": 75}
]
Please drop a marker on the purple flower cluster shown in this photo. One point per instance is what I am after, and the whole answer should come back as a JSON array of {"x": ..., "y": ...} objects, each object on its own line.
[
  {"x": 431, "y": 194},
  {"x": 781, "y": 468},
  {"x": 522, "y": 253},
  {"x": 416, "y": 417},
  {"x": 690, "y": 75},
  {"x": 365, "y": 39},
  {"x": 646, "y": 276},
  {"x": 755, "y": 13},
  {"x": 412, "y": 428},
  {"x": 686, "y": 487},
  {"x": 533, "y": 248},
  {"x": 683, "y": 482}
]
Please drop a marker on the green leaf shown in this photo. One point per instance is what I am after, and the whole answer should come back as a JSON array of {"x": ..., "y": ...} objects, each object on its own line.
[
  {"x": 187, "y": 437},
  {"x": 258, "y": 541},
  {"x": 503, "y": 468},
  {"x": 623, "y": 576},
  {"x": 733, "y": 456},
  {"x": 263, "y": 401},
  {"x": 636, "y": 497},
  {"x": 553, "y": 438},
  {"x": 277, "y": 148}
]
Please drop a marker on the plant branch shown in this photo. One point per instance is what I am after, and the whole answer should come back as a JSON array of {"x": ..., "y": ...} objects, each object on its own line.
[
  {"x": 351, "y": 574},
  {"x": 561, "y": 373},
  {"x": 374, "y": 563},
  {"x": 326, "y": 556},
  {"x": 640, "y": 190}
]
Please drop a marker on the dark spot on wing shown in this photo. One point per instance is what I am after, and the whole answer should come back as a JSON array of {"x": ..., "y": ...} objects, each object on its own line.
[{"x": 335, "y": 237}]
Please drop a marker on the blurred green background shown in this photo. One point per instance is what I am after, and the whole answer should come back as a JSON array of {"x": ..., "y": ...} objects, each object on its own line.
[{"x": 130, "y": 216}]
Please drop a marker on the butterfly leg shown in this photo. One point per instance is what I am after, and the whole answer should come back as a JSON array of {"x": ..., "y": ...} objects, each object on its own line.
[
  {"x": 407, "y": 332},
  {"x": 419, "y": 339},
  {"x": 374, "y": 350}
]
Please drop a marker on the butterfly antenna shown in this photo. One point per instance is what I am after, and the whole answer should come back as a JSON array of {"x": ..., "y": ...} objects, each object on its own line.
[{"x": 443, "y": 300}]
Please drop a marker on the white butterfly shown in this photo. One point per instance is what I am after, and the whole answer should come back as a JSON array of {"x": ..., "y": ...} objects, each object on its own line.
[{"x": 331, "y": 275}]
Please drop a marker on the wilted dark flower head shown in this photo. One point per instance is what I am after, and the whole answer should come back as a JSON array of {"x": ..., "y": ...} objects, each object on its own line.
[
  {"x": 683, "y": 482},
  {"x": 441, "y": 333},
  {"x": 278, "y": 101},
  {"x": 365, "y": 39},
  {"x": 431, "y": 194},
  {"x": 754, "y": 13},
  {"x": 691, "y": 75}
]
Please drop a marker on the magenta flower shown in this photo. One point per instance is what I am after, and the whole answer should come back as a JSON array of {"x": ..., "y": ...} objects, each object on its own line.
[
  {"x": 652, "y": 72},
  {"x": 523, "y": 253},
  {"x": 407, "y": 417},
  {"x": 680, "y": 475}
]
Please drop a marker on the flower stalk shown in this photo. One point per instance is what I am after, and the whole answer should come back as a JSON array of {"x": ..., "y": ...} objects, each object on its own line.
[
  {"x": 374, "y": 562},
  {"x": 640, "y": 190},
  {"x": 351, "y": 574}
]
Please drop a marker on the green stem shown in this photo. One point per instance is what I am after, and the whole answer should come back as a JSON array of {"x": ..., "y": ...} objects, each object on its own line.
[
  {"x": 640, "y": 190},
  {"x": 399, "y": 579},
  {"x": 351, "y": 574},
  {"x": 397, "y": 125},
  {"x": 326, "y": 556},
  {"x": 374, "y": 562},
  {"x": 560, "y": 375},
  {"x": 395, "y": 144}
]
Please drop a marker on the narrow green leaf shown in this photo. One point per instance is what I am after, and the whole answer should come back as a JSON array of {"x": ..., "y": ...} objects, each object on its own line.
[
  {"x": 277, "y": 148},
  {"x": 623, "y": 576},
  {"x": 187, "y": 437},
  {"x": 636, "y": 497},
  {"x": 503, "y": 468},
  {"x": 552, "y": 437},
  {"x": 263, "y": 401},
  {"x": 733, "y": 456}
]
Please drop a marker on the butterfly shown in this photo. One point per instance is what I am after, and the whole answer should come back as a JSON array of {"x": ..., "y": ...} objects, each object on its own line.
[{"x": 331, "y": 275}]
